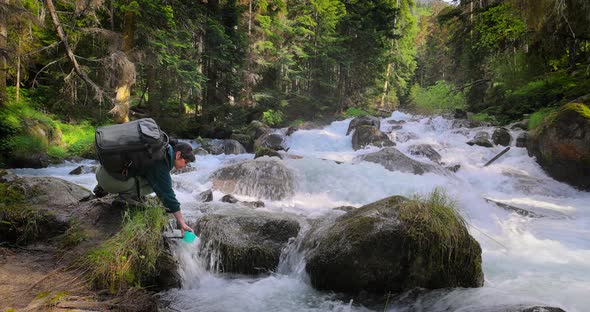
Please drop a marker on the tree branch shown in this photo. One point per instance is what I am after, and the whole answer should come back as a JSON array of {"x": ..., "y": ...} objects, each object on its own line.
[{"x": 98, "y": 92}]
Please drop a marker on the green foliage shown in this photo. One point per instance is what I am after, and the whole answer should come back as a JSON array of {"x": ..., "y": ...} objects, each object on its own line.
[
  {"x": 484, "y": 117},
  {"x": 499, "y": 27},
  {"x": 79, "y": 139},
  {"x": 441, "y": 97},
  {"x": 272, "y": 117},
  {"x": 538, "y": 117},
  {"x": 352, "y": 112},
  {"x": 23, "y": 145},
  {"x": 130, "y": 257}
]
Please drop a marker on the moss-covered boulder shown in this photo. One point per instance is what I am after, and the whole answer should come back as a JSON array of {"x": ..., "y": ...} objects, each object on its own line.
[
  {"x": 369, "y": 135},
  {"x": 264, "y": 151},
  {"x": 256, "y": 129},
  {"x": 481, "y": 138},
  {"x": 245, "y": 241},
  {"x": 363, "y": 121},
  {"x": 394, "y": 245},
  {"x": 272, "y": 140},
  {"x": 261, "y": 178},
  {"x": 394, "y": 160},
  {"x": 233, "y": 147},
  {"x": 561, "y": 145},
  {"x": 244, "y": 139}
]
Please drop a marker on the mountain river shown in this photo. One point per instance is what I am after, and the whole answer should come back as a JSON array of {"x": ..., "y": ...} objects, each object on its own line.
[{"x": 526, "y": 260}]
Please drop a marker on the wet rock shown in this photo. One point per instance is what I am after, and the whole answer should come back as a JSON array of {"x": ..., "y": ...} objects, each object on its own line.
[
  {"x": 307, "y": 125},
  {"x": 229, "y": 199},
  {"x": 501, "y": 136},
  {"x": 7, "y": 176},
  {"x": 205, "y": 196},
  {"x": 233, "y": 147},
  {"x": 272, "y": 140},
  {"x": 426, "y": 151},
  {"x": 256, "y": 129},
  {"x": 393, "y": 245},
  {"x": 263, "y": 151},
  {"x": 345, "y": 208},
  {"x": 396, "y": 122},
  {"x": 394, "y": 160},
  {"x": 464, "y": 123},
  {"x": 262, "y": 178},
  {"x": 83, "y": 170},
  {"x": 199, "y": 151},
  {"x": 481, "y": 139},
  {"x": 245, "y": 241},
  {"x": 522, "y": 139},
  {"x": 246, "y": 141},
  {"x": 363, "y": 121},
  {"x": 369, "y": 135},
  {"x": 460, "y": 114},
  {"x": 254, "y": 204},
  {"x": 213, "y": 146},
  {"x": 32, "y": 160},
  {"x": 454, "y": 168},
  {"x": 562, "y": 145},
  {"x": 403, "y": 137}
]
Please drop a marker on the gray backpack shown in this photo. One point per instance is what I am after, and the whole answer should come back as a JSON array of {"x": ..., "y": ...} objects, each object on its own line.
[{"x": 130, "y": 149}]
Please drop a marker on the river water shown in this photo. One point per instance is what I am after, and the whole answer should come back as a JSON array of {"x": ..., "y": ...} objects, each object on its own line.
[{"x": 544, "y": 261}]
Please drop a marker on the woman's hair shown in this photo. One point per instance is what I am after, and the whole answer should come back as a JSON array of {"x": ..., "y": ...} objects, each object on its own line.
[{"x": 186, "y": 151}]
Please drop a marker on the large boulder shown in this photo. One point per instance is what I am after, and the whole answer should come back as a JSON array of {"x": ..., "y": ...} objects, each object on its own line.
[
  {"x": 369, "y": 135},
  {"x": 394, "y": 245},
  {"x": 245, "y": 241},
  {"x": 272, "y": 140},
  {"x": 426, "y": 151},
  {"x": 256, "y": 129},
  {"x": 233, "y": 147},
  {"x": 394, "y": 160},
  {"x": 562, "y": 145},
  {"x": 501, "y": 136},
  {"x": 263, "y": 178},
  {"x": 363, "y": 121},
  {"x": 213, "y": 146},
  {"x": 522, "y": 139},
  {"x": 244, "y": 139}
]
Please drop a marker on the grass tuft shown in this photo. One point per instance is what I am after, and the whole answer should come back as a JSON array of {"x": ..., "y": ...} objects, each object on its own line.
[{"x": 129, "y": 258}]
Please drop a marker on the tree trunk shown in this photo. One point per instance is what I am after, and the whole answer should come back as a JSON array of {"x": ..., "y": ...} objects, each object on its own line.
[
  {"x": 98, "y": 93},
  {"x": 3, "y": 60},
  {"x": 121, "y": 110},
  {"x": 18, "y": 51}
]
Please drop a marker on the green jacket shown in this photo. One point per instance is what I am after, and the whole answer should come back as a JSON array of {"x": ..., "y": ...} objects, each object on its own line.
[{"x": 161, "y": 181}]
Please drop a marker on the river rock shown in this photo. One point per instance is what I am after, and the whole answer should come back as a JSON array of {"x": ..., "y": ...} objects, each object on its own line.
[
  {"x": 272, "y": 140},
  {"x": 83, "y": 170},
  {"x": 262, "y": 177},
  {"x": 501, "y": 136},
  {"x": 522, "y": 139},
  {"x": 244, "y": 139},
  {"x": 369, "y": 135},
  {"x": 229, "y": 199},
  {"x": 256, "y": 129},
  {"x": 426, "y": 151},
  {"x": 520, "y": 125},
  {"x": 245, "y": 241},
  {"x": 394, "y": 245},
  {"x": 562, "y": 145},
  {"x": 481, "y": 139},
  {"x": 264, "y": 151},
  {"x": 213, "y": 146},
  {"x": 199, "y": 151},
  {"x": 363, "y": 121},
  {"x": 460, "y": 114},
  {"x": 394, "y": 160},
  {"x": 233, "y": 147},
  {"x": 205, "y": 196},
  {"x": 403, "y": 136},
  {"x": 31, "y": 160}
]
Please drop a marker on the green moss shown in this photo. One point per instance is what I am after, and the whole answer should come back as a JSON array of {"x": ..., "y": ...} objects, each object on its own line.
[
  {"x": 79, "y": 139},
  {"x": 539, "y": 117},
  {"x": 42, "y": 295},
  {"x": 580, "y": 108},
  {"x": 129, "y": 258},
  {"x": 483, "y": 117}
]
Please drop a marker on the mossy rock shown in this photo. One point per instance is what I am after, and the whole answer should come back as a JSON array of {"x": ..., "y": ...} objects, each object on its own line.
[
  {"x": 561, "y": 145},
  {"x": 369, "y": 135},
  {"x": 256, "y": 129},
  {"x": 394, "y": 245},
  {"x": 245, "y": 242},
  {"x": 363, "y": 121},
  {"x": 245, "y": 140},
  {"x": 272, "y": 140},
  {"x": 264, "y": 151}
]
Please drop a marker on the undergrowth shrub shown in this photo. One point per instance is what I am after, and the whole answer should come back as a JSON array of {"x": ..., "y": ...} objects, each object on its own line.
[{"x": 438, "y": 98}]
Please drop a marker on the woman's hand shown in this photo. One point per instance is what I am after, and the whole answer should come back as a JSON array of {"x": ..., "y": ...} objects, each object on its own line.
[{"x": 183, "y": 226}]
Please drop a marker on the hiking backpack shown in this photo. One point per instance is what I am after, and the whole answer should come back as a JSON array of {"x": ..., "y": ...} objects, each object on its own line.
[{"x": 130, "y": 149}]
